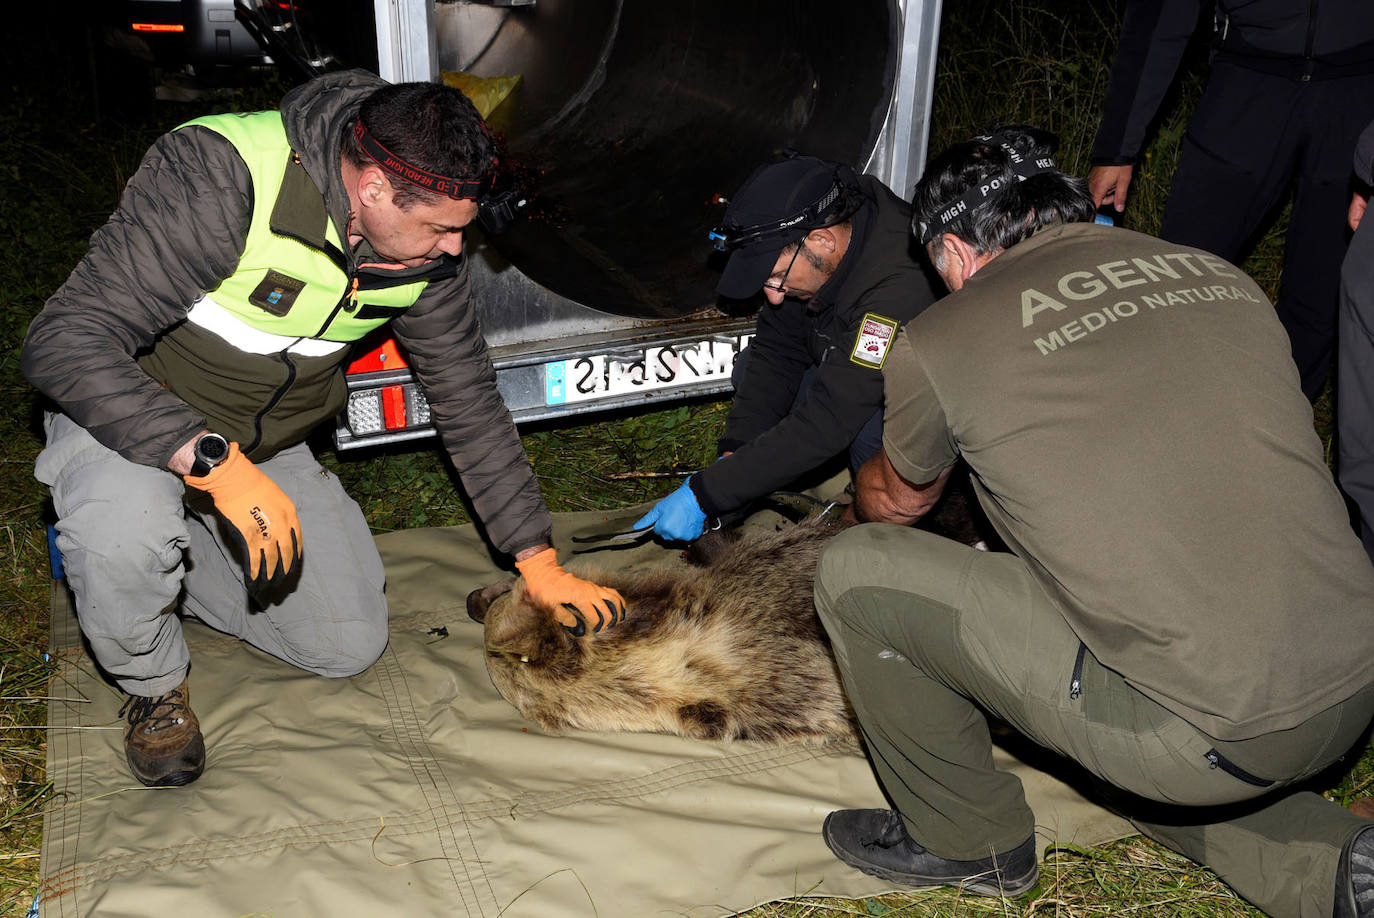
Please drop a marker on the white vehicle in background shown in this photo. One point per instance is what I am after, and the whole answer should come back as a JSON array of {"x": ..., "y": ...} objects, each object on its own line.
[{"x": 217, "y": 40}]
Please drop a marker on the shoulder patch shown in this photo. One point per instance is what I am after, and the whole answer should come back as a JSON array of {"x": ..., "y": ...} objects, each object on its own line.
[{"x": 873, "y": 341}]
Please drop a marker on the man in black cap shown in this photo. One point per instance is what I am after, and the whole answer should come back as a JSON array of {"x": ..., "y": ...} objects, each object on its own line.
[{"x": 832, "y": 255}]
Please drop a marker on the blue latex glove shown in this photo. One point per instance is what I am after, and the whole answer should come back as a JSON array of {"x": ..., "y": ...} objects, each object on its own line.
[{"x": 677, "y": 517}]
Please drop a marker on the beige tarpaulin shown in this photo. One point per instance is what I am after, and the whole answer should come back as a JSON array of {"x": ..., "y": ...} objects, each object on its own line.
[{"x": 414, "y": 789}]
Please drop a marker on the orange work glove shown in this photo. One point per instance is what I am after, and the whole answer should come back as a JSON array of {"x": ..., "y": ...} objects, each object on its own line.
[
  {"x": 575, "y": 602},
  {"x": 259, "y": 513}
]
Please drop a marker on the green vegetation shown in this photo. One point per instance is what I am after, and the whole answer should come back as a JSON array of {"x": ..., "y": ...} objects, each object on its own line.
[{"x": 60, "y": 174}]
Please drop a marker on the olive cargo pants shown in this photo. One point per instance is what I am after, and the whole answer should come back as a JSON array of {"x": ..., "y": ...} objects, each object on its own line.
[{"x": 928, "y": 631}]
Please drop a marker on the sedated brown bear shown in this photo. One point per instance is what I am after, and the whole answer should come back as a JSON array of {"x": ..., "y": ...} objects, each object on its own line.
[{"x": 730, "y": 649}]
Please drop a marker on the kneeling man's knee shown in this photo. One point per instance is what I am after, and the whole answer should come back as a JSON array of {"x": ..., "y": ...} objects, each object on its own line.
[
  {"x": 361, "y": 645},
  {"x": 338, "y": 649},
  {"x": 845, "y": 563},
  {"x": 847, "y": 559}
]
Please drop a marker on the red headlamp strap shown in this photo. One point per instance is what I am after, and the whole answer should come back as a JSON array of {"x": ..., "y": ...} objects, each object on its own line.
[{"x": 458, "y": 189}]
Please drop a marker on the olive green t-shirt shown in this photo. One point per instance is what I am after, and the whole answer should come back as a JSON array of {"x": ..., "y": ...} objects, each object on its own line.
[{"x": 1133, "y": 420}]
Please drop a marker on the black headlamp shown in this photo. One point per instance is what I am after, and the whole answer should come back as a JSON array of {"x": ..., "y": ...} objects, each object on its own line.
[
  {"x": 496, "y": 211},
  {"x": 822, "y": 212},
  {"x": 395, "y": 166},
  {"x": 1022, "y": 168}
]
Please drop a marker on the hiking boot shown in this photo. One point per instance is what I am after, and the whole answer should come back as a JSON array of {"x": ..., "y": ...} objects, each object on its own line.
[
  {"x": 163, "y": 743},
  {"x": 1355, "y": 877},
  {"x": 876, "y": 842}
]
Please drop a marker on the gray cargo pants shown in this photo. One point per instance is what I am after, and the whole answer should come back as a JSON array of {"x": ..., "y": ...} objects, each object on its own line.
[
  {"x": 138, "y": 547},
  {"x": 928, "y": 631}
]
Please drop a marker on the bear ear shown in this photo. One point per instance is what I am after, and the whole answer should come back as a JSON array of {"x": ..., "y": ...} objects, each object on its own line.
[
  {"x": 519, "y": 626},
  {"x": 479, "y": 601}
]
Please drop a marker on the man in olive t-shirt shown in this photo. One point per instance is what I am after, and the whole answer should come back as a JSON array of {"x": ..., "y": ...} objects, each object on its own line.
[{"x": 1185, "y": 610}]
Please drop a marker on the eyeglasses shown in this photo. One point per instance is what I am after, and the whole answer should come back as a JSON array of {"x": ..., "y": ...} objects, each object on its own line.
[{"x": 780, "y": 285}]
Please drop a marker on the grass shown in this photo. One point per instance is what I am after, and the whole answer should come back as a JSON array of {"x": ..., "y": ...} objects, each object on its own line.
[
  {"x": 61, "y": 169},
  {"x": 611, "y": 461}
]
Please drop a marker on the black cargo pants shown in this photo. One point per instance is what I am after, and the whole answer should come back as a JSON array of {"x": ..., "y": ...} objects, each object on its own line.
[{"x": 1253, "y": 135}]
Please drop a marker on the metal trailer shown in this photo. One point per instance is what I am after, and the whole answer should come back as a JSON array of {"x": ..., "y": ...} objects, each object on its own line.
[{"x": 636, "y": 118}]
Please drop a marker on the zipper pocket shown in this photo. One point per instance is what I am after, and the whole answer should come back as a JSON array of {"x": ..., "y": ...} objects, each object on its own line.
[
  {"x": 272, "y": 402},
  {"x": 1217, "y": 760},
  {"x": 1076, "y": 680}
]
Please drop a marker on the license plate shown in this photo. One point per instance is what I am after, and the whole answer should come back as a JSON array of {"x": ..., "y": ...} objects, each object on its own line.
[{"x": 584, "y": 379}]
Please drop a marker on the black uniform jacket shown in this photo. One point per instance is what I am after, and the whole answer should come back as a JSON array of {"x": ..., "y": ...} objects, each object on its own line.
[
  {"x": 1296, "y": 38},
  {"x": 882, "y": 273}
]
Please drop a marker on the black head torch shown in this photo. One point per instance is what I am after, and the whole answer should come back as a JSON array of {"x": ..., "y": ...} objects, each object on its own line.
[
  {"x": 495, "y": 209},
  {"x": 839, "y": 202},
  {"x": 1023, "y": 166}
]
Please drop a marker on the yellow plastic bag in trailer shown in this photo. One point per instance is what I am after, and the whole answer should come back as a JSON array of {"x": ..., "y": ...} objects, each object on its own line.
[{"x": 486, "y": 93}]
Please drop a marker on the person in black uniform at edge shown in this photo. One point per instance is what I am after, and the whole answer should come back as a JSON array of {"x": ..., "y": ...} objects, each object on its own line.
[
  {"x": 1355, "y": 357},
  {"x": 832, "y": 254},
  {"x": 1291, "y": 86}
]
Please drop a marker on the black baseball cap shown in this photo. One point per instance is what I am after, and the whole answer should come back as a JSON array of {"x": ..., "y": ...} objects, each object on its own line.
[{"x": 777, "y": 205}]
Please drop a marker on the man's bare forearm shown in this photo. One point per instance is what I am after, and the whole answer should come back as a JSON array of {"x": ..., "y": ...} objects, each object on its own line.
[{"x": 882, "y": 495}]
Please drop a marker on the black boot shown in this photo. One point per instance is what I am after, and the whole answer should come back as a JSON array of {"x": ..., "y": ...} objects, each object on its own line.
[
  {"x": 1355, "y": 877},
  {"x": 876, "y": 842}
]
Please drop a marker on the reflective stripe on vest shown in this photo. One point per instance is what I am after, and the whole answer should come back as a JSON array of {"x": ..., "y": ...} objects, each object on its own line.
[
  {"x": 214, "y": 318},
  {"x": 284, "y": 286}
]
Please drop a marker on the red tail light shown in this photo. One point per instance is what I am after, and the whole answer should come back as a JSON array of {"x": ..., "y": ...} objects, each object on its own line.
[{"x": 394, "y": 407}]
